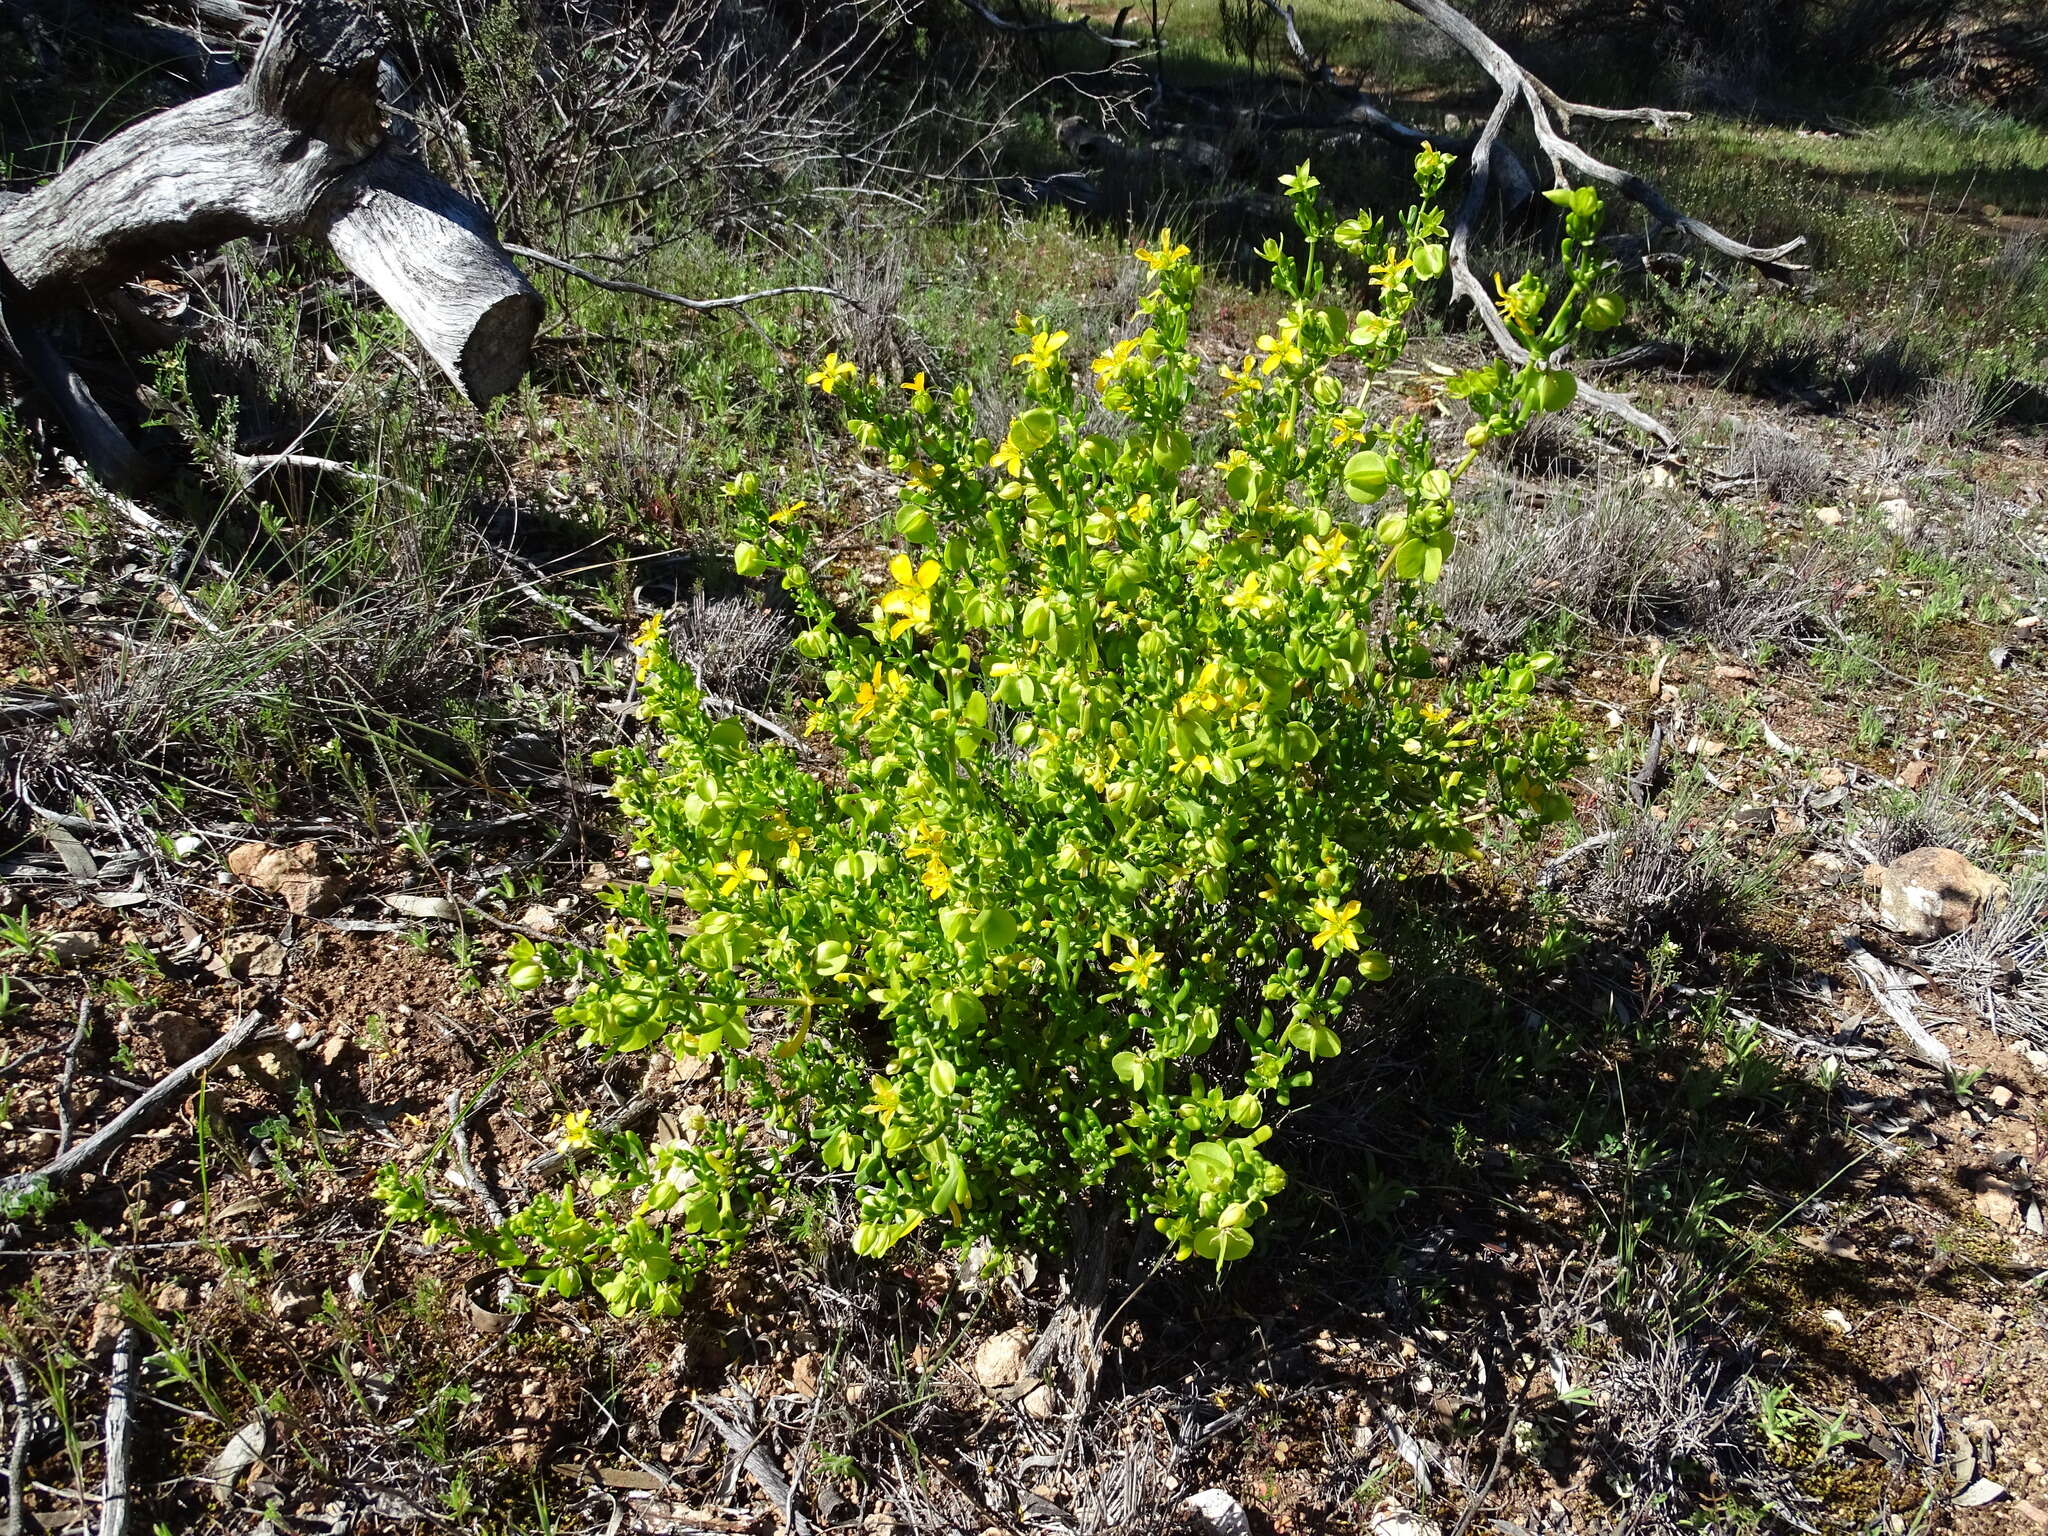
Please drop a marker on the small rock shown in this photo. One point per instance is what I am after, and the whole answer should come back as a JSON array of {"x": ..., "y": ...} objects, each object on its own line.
[
  {"x": 1728, "y": 674},
  {"x": 1832, "y": 777},
  {"x": 1828, "y": 516},
  {"x": 421, "y": 906},
  {"x": 1915, "y": 773},
  {"x": 2000, "y": 658},
  {"x": 1931, "y": 893},
  {"x": 2001, "y": 1095},
  {"x": 805, "y": 1372},
  {"x": 301, "y": 875},
  {"x": 11, "y": 900},
  {"x": 107, "y": 1323},
  {"x": 292, "y": 1305},
  {"x": 1212, "y": 1512},
  {"x": 179, "y": 1035},
  {"x": 274, "y": 1065},
  {"x": 241, "y": 1453},
  {"x": 251, "y": 957},
  {"x": 1000, "y": 1360},
  {"x": 74, "y": 945},
  {"x": 541, "y": 918},
  {"x": 1038, "y": 1402},
  {"x": 1900, "y": 520},
  {"x": 1997, "y": 1201}
]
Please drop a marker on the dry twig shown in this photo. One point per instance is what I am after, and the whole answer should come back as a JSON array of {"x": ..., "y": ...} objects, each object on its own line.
[
  {"x": 120, "y": 1424},
  {"x": 111, "y": 1137}
]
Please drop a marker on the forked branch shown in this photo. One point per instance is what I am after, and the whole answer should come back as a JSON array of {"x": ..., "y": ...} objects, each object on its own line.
[{"x": 1492, "y": 165}]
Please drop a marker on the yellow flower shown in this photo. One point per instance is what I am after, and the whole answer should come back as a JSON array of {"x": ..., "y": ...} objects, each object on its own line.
[
  {"x": 868, "y": 695},
  {"x": 916, "y": 385},
  {"x": 1390, "y": 274},
  {"x": 1340, "y": 924},
  {"x": 1126, "y": 360},
  {"x": 1243, "y": 381},
  {"x": 1369, "y": 329},
  {"x": 1327, "y": 557},
  {"x": 791, "y": 837},
  {"x": 1168, "y": 255},
  {"x": 1136, "y": 966},
  {"x": 787, "y": 512},
  {"x": 1301, "y": 183},
  {"x": 1284, "y": 349},
  {"x": 1251, "y": 598},
  {"x": 911, "y": 600},
  {"x": 1521, "y": 304},
  {"x": 572, "y": 1131},
  {"x": 925, "y": 842},
  {"x": 887, "y": 1101},
  {"x": 737, "y": 871},
  {"x": 1043, "y": 352},
  {"x": 1008, "y": 457},
  {"x": 643, "y": 648},
  {"x": 831, "y": 373}
]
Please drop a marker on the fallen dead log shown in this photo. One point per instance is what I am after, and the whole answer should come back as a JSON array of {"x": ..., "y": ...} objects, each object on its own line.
[{"x": 297, "y": 149}]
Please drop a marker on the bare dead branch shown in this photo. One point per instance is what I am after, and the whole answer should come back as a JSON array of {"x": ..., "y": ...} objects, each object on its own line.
[
  {"x": 641, "y": 290},
  {"x": 759, "y": 1465},
  {"x": 17, "y": 1454},
  {"x": 1366, "y": 112},
  {"x": 1108, "y": 40},
  {"x": 1465, "y": 282},
  {"x": 297, "y": 148},
  {"x": 1567, "y": 157},
  {"x": 120, "y": 1427}
]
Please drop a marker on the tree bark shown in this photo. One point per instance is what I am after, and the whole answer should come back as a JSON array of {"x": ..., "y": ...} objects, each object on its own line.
[{"x": 299, "y": 149}]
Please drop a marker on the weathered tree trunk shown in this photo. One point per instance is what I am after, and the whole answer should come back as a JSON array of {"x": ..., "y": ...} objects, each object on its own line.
[{"x": 298, "y": 148}]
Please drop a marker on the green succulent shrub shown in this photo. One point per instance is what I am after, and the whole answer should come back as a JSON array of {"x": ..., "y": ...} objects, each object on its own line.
[{"x": 1066, "y": 890}]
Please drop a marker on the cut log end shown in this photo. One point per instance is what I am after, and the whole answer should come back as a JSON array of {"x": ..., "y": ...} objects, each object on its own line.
[
  {"x": 431, "y": 254},
  {"x": 495, "y": 357}
]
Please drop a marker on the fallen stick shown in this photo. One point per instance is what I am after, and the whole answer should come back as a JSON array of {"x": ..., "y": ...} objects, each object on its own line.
[
  {"x": 472, "y": 1182},
  {"x": 758, "y": 1465},
  {"x": 635, "y": 1108},
  {"x": 70, "y": 1069},
  {"x": 120, "y": 1424},
  {"x": 17, "y": 1456},
  {"x": 1555, "y": 866},
  {"x": 641, "y": 290},
  {"x": 111, "y": 1137},
  {"x": 1887, "y": 989}
]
